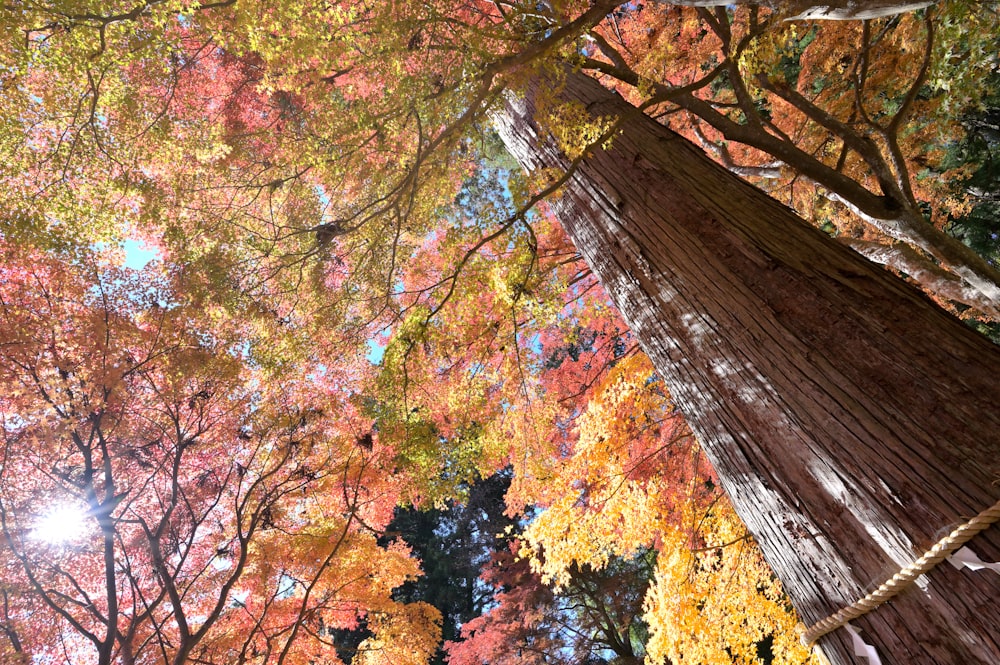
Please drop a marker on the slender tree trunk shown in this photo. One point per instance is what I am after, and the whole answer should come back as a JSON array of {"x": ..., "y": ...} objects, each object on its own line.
[
  {"x": 932, "y": 277},
  {"x": 837, "y": 10},
  {"x": 851, "y": 421}
]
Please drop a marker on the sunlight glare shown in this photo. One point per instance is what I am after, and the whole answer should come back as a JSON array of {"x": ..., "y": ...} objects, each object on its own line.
[{"x": 61, "y": 524}]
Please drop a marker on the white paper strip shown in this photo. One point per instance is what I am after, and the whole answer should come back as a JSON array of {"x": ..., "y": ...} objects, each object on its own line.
[
  {"x": 861, "y": 648},
  {"x": 966, "y": 558}
]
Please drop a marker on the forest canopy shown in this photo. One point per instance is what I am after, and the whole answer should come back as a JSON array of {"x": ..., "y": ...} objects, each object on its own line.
[{"x": 299, "y": 366}]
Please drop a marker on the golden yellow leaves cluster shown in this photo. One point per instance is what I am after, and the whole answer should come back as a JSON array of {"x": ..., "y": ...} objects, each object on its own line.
[
  {"x": 713, "y": 598},
  {"x": 718, "y": 602}
]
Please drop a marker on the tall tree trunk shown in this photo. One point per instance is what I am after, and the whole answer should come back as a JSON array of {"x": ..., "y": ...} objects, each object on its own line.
[{"x": 851, "y": 421}]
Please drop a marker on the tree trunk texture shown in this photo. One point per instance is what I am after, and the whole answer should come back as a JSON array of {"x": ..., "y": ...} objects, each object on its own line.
[
  {"x": 893, "y": 214},
  {"x": 851, "y": 421},
  {"x": 836, "y": 10}
]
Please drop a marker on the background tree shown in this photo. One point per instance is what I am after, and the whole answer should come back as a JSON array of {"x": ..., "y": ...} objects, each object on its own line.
[
  {"x": 454, "y": 544},
  {"x": 166, "y": 499},
  {"x": 979, "y": 227},
  {"x": 594, "y": 618}
]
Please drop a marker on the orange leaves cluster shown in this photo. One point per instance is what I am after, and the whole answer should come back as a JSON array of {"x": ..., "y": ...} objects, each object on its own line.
[
  {"x": 410, "y": 636},
  {"x": 230, "y": 507},
  {"x": 617, "y": 489}
]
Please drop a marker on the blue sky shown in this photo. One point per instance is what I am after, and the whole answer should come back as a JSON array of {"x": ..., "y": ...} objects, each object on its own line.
[{"x": 137, "y": 255}]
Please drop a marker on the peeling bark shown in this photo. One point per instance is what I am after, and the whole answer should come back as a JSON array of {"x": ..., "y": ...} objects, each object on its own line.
[{"x": 851, "y": 421}]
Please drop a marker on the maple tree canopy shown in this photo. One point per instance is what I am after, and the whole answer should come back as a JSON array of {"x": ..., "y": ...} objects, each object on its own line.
[{"x": 269, "y": 279}]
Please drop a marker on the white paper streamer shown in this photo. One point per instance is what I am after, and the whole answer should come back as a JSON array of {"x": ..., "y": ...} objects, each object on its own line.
[
  {"x": 966, "y": 558},
  {"x": 861, "y": 648}
]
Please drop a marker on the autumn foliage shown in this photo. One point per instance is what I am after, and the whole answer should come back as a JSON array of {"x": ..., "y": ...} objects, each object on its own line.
[
  {"x": 848, "y": 122},
  {"x": 355, "y": 303},
  {"x": 224, "y": 512}
]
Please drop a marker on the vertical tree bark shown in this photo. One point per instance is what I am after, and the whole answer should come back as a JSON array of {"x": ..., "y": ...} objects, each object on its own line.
[{"x": 851, "y": 421}]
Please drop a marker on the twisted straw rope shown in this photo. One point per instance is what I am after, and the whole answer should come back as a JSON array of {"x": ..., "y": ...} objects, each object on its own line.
[{"x": 905, "y": 577}]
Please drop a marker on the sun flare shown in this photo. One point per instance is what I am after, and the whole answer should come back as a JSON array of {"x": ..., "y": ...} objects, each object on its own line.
[{"x": 61, "y": 524}]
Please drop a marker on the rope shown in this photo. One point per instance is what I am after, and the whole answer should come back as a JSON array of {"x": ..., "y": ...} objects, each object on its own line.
[{"x": 905, "y": 577}]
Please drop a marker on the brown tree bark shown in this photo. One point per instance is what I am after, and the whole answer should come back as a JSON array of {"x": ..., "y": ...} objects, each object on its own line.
[
  {"x": 851, "y": 421},
  {"x": 893, "y": 212}
]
